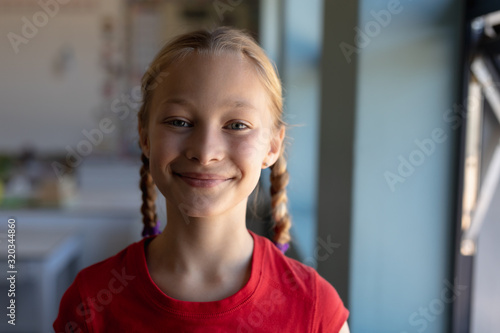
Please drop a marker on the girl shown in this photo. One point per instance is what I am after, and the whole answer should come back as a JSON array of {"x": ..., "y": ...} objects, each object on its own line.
[{"x": 211, "y": 120}]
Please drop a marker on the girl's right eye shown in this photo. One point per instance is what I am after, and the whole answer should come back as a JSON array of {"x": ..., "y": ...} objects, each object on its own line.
[{"x": 178, "y": 123}]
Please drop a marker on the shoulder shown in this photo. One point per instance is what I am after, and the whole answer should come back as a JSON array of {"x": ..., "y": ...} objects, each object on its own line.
[
  {"x": 109, "y": 273},
  {"x": 301, "y": 282},
  {"x": 330, "y": 309},
  {"x": 290, "y": 274},
  {"x": 107, "y": 266},
  {"x": 300, "y": 279},
  {"x": 93, "y": 285},
  {"x": 70, "y": 316}
]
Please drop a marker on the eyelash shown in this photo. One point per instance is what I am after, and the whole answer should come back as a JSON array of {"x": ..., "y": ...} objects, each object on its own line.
[
  {"x": 172, "y": 122},
  {"x": 238, "y": 123},
  {"x": 175, "y": 123}
]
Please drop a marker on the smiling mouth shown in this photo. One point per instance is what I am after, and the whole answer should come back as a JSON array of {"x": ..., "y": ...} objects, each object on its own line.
[{"x": 201, "y": 179}]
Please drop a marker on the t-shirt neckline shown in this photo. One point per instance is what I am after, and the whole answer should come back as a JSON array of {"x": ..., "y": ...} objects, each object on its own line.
[{"x": 203, "y": 309}]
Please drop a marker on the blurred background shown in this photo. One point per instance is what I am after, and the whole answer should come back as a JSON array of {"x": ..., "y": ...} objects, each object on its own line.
[{"x": 393, "y": 154}]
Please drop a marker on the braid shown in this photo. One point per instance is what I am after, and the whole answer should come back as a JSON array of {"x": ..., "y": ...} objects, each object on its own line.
[
  {"x": 148, "y": 208},
  {"x": 279, "y": 200}
]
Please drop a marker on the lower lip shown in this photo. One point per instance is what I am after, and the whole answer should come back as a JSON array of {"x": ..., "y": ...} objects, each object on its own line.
[{"x": 205, "y": 183}]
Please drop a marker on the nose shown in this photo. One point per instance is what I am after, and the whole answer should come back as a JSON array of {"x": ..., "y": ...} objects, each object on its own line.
[{"x": 205, "y": 144}]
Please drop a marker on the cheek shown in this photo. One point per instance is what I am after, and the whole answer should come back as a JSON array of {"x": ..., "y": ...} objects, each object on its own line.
[
  {"x": 163, "y": 150},
  {"x": 254, "y": 146},
  {"x": 163, "y": 146}
]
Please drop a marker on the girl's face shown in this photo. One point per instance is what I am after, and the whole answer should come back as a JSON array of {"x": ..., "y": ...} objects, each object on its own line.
[{"x": 210, "y": 131}]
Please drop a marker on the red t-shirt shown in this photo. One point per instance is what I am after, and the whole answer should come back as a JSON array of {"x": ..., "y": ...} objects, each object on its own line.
[{"x": 282, "y": 295}]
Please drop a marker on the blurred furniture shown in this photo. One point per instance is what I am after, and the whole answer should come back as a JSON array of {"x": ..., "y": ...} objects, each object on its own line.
[
  {"x": 53, "y": 244},
  {"x": 45, "y": 259}
]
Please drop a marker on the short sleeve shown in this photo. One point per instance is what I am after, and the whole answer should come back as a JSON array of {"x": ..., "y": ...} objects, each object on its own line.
[
  {"x": 72, "y": 311},
  {"x": 330, "y": 312}
]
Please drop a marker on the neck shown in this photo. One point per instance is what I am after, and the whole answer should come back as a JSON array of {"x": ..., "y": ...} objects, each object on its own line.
[{"x": 208, "y": 246}]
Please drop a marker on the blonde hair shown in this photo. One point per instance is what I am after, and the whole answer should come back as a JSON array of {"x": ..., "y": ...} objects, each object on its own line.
[{"x": 218, "y": 41}]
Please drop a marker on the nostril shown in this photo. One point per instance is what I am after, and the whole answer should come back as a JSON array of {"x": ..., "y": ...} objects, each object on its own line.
[{"x": 205, "y": 150}]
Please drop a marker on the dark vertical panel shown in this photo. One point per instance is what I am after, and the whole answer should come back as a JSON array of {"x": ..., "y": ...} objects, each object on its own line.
[
  {"x": 460, "y": 320},
  {"x": 338, "y": 105},
  {"x": 463, "y": 265}
]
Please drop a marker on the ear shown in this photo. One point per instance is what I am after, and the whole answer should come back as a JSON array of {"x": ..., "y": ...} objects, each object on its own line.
[
  {"x": 275, "y": 147},
  {"x": 144, "y": 141}
]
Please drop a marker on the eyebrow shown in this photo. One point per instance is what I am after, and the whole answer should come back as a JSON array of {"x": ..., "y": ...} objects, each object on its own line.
[
  {"x": 176, "y": 100},
  {"x": 240, "y": 104},
  {"x": 233, "y": 103}
]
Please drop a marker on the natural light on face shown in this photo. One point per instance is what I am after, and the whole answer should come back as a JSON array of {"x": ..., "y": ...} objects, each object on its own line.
[{"x": 209, "y": 133}]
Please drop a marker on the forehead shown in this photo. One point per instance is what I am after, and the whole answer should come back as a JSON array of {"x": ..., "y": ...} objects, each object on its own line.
[{"x": 212, "y": 80}]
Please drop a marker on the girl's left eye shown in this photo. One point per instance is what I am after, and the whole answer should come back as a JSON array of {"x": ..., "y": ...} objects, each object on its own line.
[{"x": 237, "y": 126}]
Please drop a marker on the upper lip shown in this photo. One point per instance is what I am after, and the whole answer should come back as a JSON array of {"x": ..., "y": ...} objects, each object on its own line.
[{"x": 202, "y": 176}]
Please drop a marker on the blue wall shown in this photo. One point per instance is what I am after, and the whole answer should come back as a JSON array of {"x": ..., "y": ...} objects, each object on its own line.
[
  {"x": 302, "y": 47},
  {"x": 401, "y": 226}
]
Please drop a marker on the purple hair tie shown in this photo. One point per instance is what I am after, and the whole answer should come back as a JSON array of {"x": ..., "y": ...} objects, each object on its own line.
[
  {"x": 282, "y": 247},
  {"x": 151, "y": 231}
]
